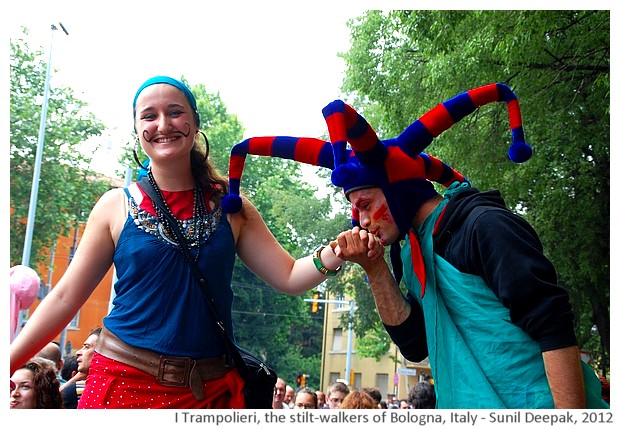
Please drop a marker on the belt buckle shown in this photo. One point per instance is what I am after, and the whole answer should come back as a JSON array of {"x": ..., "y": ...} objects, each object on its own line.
[{"x": 184, "y": 366}]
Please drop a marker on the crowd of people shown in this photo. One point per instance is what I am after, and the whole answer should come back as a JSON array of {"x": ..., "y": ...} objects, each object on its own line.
[
  {"x": 47, "y": 381},
  {"x": 47, "y": 377},
  {"x": 339, "y": 395}
]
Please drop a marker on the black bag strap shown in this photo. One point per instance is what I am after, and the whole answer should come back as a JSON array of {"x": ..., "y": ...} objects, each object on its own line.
[{"x": 197, "y": 272}]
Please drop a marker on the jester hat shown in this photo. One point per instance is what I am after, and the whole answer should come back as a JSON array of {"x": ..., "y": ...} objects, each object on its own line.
[{"x": 398, "y": 166}]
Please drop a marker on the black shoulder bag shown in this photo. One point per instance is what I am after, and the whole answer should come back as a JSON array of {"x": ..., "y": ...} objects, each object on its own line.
[{"x": 259, "y": 379}]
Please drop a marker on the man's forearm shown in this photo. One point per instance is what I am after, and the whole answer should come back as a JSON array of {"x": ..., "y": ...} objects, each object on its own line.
[
  {"x": 392, "y": 306},
  {"x": 565, "y": 376}
]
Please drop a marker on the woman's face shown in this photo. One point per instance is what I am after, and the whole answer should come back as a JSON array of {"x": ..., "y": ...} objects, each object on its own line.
[
  {"x": 165, "y": 122},
  {"x": 23, "y": 394},
  {"x": 304, "y": 400}
]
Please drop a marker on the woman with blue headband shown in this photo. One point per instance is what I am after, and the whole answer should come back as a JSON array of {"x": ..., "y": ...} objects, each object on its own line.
[{"x": 160, "y": 325}]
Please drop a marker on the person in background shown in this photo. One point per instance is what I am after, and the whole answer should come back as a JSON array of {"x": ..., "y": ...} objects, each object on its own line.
[
  {"x": 422, "y": 395},
  {"x": 289, "y": 396},
  {"x": 278, "y": 395},
  {"x": 35, "y": 385},
  {"x": 336, "y": 393},
  {"x": 69, "y": 368},
  {"x": 85, "y": 354},
  {"x": 320, "y": 399},
  {"x": 158, "y": 303},
  {"x": 84, "y": 357},
  {"x": 358, "y": 399},
  {"x": 305, "y": 398},
  {"x": 394, "y": 404},
  {"x": 374, "y": 393},
  {"x": 69, "y": 390},
  {"x": 52, "y": 352}
]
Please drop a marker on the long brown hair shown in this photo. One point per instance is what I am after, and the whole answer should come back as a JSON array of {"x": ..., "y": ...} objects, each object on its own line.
[
  {"x": 204, "y": 171},
  {"x": 45, "y": 383}
]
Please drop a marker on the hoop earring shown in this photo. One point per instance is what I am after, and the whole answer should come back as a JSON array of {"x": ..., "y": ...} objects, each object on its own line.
[
  {"x": 207, "y": 147},
  {"x": 135, "y": 154}
]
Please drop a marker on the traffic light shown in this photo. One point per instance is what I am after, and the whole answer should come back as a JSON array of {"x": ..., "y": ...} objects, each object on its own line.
[
  {"x": 315, "y": 304},
  {"x": 302, "y": 379}
]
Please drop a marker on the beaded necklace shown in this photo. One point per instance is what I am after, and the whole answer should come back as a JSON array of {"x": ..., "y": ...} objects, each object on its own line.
[{"x": 196, "y": 224}]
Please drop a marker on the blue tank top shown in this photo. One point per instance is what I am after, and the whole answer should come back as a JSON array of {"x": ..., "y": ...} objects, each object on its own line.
[{"x": 158, "y": 304}]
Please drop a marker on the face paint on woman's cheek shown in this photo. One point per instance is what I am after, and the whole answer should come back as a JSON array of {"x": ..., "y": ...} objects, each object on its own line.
[{"x": 382, "y": 213}]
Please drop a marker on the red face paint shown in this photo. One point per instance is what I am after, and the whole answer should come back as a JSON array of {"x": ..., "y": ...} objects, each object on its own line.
[{"x": 381, "y": 213}]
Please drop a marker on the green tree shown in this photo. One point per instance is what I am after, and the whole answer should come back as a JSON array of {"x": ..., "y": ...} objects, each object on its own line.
[
  {"x": 278, "y": 325},
  {"x": 67, "y": 189},
  {"x": 403, "y": 63}
]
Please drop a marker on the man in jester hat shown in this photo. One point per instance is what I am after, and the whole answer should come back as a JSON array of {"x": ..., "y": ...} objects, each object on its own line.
[{"x": 482, "y": 302}]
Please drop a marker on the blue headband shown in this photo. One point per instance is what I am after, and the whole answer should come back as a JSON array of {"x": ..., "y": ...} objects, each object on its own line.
[{"x": 177, "y": 84}]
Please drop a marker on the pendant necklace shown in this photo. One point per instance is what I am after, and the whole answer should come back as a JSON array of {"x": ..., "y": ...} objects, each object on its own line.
[{"x": 192, "y": 229}]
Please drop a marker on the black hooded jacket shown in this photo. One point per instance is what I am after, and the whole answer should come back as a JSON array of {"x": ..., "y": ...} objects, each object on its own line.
[{"x": 478, "y": 235}]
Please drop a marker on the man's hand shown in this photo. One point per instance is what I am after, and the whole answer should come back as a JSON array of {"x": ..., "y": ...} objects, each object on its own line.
[{"x": 357, "y": 245}]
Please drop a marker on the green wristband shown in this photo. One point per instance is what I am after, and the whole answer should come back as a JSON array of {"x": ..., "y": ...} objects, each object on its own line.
[{"x": 316, "y": 257}]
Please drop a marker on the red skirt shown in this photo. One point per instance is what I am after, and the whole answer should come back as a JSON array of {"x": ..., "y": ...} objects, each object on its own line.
[{"x": 112, "y": 384}]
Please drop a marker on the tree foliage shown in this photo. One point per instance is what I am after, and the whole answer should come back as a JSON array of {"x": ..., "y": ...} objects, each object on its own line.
[
  {"x": 66, "y": 189},
  {"x": 278, "y": 327},
  {"x": 403, "y": 63}
]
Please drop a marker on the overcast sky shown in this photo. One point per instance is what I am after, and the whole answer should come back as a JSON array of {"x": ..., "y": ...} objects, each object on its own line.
[{"x": 274, "y": 67}]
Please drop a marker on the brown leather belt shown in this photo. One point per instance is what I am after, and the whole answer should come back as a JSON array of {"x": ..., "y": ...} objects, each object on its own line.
[{"x": 172, "y": 371}]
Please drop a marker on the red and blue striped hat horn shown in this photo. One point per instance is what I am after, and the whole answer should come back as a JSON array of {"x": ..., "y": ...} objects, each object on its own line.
[
  {"x": 398, "y": 164},
  {"x": 420, "y": 134},
  {"x": 373, "y": 162},
  {"x": 302, "y": 149}
]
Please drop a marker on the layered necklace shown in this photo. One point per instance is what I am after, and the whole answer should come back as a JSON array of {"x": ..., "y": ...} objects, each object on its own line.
[{"x": 193, "y": 229}]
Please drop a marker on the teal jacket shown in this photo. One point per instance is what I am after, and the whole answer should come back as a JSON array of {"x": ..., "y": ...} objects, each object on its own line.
[{"x": 478, "y": 356}]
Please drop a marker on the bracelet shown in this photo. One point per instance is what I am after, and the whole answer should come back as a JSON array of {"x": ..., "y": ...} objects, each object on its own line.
[{"x": 316, "y": 257}]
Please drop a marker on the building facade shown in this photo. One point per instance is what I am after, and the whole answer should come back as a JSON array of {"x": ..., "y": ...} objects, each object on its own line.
[
  {"x": 393, "y": 375},
  {"x": 94, "y": 309}
]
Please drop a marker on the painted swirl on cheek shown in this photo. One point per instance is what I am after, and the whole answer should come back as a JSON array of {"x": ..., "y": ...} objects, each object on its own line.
[
  {"x": 382, "y": 213},
  {"x": 146, "y": 138}
]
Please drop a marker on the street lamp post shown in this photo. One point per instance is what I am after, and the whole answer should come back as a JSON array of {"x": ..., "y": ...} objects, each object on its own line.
[
  {"x": 34, "y": 192},
  {"x": 63, "y": 334},
  {"x": 347, "y": 371},
  {"x": 32, "y": 208}
]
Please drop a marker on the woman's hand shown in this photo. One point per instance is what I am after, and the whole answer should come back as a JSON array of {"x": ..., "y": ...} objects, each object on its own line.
[{"x": 359, "y": 246}]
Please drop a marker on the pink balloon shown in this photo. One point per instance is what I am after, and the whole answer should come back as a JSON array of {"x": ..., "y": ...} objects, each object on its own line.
[{"x": 24, "y": 288}]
